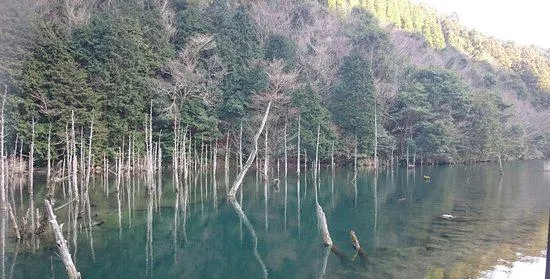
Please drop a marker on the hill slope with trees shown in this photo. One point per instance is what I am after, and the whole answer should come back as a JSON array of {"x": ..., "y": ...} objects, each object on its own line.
[{"x": 392, "y": 78}]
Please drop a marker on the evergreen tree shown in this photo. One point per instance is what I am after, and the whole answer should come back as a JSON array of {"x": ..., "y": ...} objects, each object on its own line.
[
  {"x": 52, "y": 85},
  {"x": 352, "y": 100}
]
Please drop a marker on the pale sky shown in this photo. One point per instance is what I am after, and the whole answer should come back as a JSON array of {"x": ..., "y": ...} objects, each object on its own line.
[{"x": 525, "y": 22}]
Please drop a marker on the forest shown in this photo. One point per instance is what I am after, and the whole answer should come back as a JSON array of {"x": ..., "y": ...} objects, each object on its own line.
[{"x": 389, "y": 80}]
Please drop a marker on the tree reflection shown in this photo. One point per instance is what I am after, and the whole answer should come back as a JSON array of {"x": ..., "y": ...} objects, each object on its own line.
[{"x": 242, "y": 216}]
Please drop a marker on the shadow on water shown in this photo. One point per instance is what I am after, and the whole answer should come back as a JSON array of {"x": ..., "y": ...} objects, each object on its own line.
[{"x": 195, "y": 232}]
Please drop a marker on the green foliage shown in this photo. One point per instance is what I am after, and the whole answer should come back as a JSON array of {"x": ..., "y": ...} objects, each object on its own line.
[
  {"x": 401, "y": 14},
  {"x": 239, "y": 45},
  {"x": 352, "y": 100},
  {"x": 120, "y": 54},
  {"x": 110, "y": 67},
  {"x": 529, "y": 62},
  {"x": 190, "y": 21},
  {"x": 428, "y": 108},
  {"x": 52, "y": 85},
  {"x": 313, "y": 114},
  {"x": 280, "y": 47}
]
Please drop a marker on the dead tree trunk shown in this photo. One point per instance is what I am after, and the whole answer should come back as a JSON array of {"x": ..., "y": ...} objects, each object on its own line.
[
  {"x": 317, "y": 153},
  {"x": 31, "y": 168},
  {"x": 89, "y": 166},
  {"x": 332, "y": 158},
  {"x": 500, "y": 161},
  {"x": 357, "y": 246},
  {"x": 408, "y": 164},
  {"x": 239, "y": 179},
  {"x": 226, "y": 164},
  {"x": 316, "y": 162},
  {"x": 175, "y": 152},
  {"x": 64, "y": 253},
  {"x": 14, "y": 221},
  {"x": 2, "y": 160},
  {"x": 355, "y": 160},
  {"x": 323, "y": 227},
  {"x": 299, "y": 132},
  {"x": 49, "y": 156},
  {"x": 375, "y": 139},
  {"x": 266, "y": 157},
  {"x": 74, "y": 167},
  {"x": 241, "y": 147},
  {"x": 286, "y": 156}
]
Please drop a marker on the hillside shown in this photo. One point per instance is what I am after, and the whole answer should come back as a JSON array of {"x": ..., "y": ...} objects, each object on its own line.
[
  {"x": 208, "y": 67},
  {"x": 531, "y": 64}
]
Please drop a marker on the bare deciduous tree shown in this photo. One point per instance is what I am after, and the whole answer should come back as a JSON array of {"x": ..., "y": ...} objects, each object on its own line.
[{"x": 186, "y": 77}]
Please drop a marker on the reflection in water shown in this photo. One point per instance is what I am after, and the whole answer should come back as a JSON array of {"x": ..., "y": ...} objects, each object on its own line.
[
  {"x": 175, "y": 229},
  {"x": 215, "y": 190},
  {"x": 185, "y": 208},
  {"x": 298, "y": 203},
  {"x": 354, "y": 182},
  {"x": 119, "y": 210},
  {"x": 404, "y": 239},
  {"x": 129, "y": 198},
  {"x": 325, "y": 261},
  {"x": 89, "y": 228},
  {"x": 332, "y": 189},
  {"x": 242, "y": 216},
  {"x": 3, "y": 218},
  {"x": 375, "y": 199},
  {"x": 149, "y": 238},
  {"x": 76, "y": 211},
  {"x": 15, "y": 259},
  {"x": 265, "y": 203},
  {"x": 286, "y": 196}
]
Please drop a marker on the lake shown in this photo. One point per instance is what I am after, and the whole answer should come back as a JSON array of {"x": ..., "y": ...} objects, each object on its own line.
[{"x": 197, "y": 233}]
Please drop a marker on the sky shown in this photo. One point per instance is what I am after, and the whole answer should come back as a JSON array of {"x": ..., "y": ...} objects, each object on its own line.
[{"x": 525, "y": 22}]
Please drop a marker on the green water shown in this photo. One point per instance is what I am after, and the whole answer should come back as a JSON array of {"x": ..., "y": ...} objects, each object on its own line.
[{"x": 394, "y": 214}]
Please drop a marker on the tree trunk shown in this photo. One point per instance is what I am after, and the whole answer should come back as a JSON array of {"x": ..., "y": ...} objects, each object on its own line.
[
  {"x": 175, "y": 152},
  {"x": 226, "y": 165},
  {"x": 286, "y": 157},
  {"x": 375, "y": 138},
  {"x": 89, "y": 167},
  {"x": 266, "y": 156},
  {"x": 2, "y": 160},
  {"x": 241, "y": 147},
  {"x": 31, "y": 165},
  {"x": 332, "y": 158},
  {"x": 74, "y": 166},
  {"x": 408, "y": 164},
  {"x": 64, "y": 253},
  {"x": 316, "y": 161},
  {"x": 500, "y": 161},
  {"x": 323, "y": 227},
  {"x": 299, "y": 132},
  {"x": 14, "y": 221},
  {"x": 239, "y": 179},
  {"x": 355, "y": 160},
  {"x": 49, "y": 156}
]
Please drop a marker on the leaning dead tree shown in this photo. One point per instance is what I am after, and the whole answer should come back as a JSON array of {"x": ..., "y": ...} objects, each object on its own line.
[
  {"x": 240, "y": 176},
  {"x": 64, "y": 253},
  {"x": 357, "y": 246},
  {"x": 323, "y": 226}
]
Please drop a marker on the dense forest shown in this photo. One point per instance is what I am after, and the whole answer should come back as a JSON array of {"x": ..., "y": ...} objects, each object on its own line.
[{"x": 392, "y": 78}]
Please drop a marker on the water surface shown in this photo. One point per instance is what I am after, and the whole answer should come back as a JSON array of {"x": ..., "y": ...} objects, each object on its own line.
[{"x": 395, "y": 215}]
